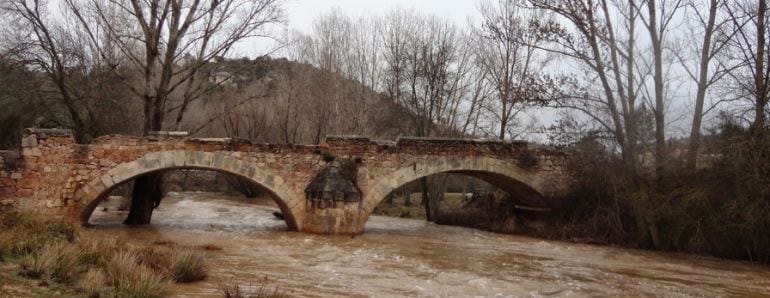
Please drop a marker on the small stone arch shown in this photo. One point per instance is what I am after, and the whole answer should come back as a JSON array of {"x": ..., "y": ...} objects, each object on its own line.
[
  {"x": 89, "y": 196},
  {"x": 501, "y": 173}
]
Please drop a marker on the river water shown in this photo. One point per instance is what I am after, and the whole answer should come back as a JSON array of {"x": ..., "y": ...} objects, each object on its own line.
[{"x": 401, "y": 257}]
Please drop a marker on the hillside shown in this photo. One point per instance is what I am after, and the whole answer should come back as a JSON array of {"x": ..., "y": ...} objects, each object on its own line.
[{"x": 280, "y": 101}]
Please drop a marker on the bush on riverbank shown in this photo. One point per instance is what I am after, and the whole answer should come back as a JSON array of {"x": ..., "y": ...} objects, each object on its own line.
[
  {"x": 54, "y": 252},
  {"x": 721, "y": 209}
]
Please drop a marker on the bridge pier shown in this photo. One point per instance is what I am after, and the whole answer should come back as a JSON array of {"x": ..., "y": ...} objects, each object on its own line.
[
  {"x": 334, "y": 203},
  {"x": 342, "y": 219}
]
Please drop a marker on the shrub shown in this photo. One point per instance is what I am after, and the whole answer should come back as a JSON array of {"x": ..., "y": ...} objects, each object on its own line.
[
  {"x": 28, "y": 233},
  {"x": 92, "y": 283},
  {"x": 132, "y": 279},
  {"x": 236, "y": 291},
  {"x": 186, "y": 266},
  {"x": 62, "y": 261},
  {"x": 55, "y": 251},
  {"x": 96, "y": 251}
]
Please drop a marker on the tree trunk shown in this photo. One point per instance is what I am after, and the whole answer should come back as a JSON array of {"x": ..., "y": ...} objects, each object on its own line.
[
  {"x": 692, "y": 153},
  {"x": 426, "y": 201},
  {"x": 757, "y": 128},
  {"x": 147, "y": 192},
  {"x": 145, "y": 197},
  {"x": 661, "y": 154}
]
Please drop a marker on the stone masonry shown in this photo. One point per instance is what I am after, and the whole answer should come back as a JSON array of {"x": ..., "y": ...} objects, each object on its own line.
[{"x": 58, "y": 176}]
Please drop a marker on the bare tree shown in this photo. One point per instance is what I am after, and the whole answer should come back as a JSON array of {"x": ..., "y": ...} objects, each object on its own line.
[
  {"x": 591, "y": 38},
  {"x": 423, "y": 73},
  {"x": 47, "y": 45},
  {"x": 710, "y": 69},
  {"x": 750, "y": 48},
  {"x": 659, "y": 17},
  {"x": 609, "y": 51},
  {"x": 508, "y": 54},
  {"x": 155, "y": 36},
  {"x": 423, "y": 69}
]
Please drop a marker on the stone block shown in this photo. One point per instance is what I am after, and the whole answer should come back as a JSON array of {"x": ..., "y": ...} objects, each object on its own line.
[
  {"x": 179, "y": 158},
  {"x": 24, "y": 202},
  {"x": 36, "y": 152},
  {"x": 25, "y": 193},
  {"x": 230, "y": 164},
  {"x": 149, "y": 162},
  {"x": 268, "y": 181},
  {"x": 97, "y": 186},
  {"x": 167, "y": 159},
  {"x": 219, "y": 160},
  {"x": 54, "y": 203},
  {"x": 30, "y": 141},
  {"x": 107, "y": 180}
]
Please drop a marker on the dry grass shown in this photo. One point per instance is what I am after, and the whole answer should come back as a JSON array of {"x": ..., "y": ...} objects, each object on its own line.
[
  {"x": 57, "y": 262},
  {"x": 130, "y": 278},
  {"x": 58, "y": 253},
  {"x": 236, "y": 291},
  {"x": 187, "y": 266},
  {"x": 176, "y": 262},
  {"x": 92, "y": 283},
  {"x": 27, "y": 233}
]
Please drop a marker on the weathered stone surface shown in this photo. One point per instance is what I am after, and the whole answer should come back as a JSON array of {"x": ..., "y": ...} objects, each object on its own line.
[
  {"x": 65, "y": 178},
  {"x": 30, "y": 141}
]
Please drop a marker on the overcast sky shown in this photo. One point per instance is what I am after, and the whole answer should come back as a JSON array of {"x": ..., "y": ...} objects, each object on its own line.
[{"x": 302, "y": 12}]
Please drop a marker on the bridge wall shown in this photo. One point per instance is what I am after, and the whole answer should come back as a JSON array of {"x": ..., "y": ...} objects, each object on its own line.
[{"x": 61, "y": 177}]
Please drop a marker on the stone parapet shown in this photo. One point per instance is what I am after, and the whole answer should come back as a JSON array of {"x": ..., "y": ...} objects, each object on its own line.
[{"x": 57, "y": 175}]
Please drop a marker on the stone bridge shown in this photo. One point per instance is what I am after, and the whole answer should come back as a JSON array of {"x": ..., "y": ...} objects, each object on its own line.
[{"x": 61, "y": 177}]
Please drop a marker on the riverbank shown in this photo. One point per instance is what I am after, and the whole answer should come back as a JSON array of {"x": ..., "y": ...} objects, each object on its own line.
[{"x": 45, "y": 257}]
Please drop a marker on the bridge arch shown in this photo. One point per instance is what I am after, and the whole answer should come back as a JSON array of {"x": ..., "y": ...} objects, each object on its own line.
[
  {"x": 89, "y": 196},
  {"x": 503, "y": 174}
]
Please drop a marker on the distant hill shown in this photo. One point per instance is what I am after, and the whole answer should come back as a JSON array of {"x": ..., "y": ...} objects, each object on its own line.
[{"x": 281, "y": 101}]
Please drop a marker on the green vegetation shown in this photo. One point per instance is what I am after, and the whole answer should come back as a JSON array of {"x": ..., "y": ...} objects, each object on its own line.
[{"x": 65, "y": 258}]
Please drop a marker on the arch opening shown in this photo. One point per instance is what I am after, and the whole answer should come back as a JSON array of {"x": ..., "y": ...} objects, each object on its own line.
[
  {"x": 261, "y": 181},
  {"x": 475, "y": 192}
]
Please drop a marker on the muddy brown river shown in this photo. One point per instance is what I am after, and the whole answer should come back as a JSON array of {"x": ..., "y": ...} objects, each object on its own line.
[{"x": 400, "y": 257}]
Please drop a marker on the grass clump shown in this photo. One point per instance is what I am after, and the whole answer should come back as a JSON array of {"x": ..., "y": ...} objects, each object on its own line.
[
  {"x": 187, "y": 266},
  {"x": 91, "y": 284},
  {"x": 61, "y": 254},
  {"x": 131, "y": 278},
  {"x": 57, "y": 262},
  {"x": 263, "y": 291},
  {"x": 28, "y": 233}
]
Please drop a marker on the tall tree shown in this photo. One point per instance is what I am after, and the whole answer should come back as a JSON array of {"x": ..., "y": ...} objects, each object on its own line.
[
  {"x": 715, "y": 35},
  {"x": 750, "y": 47},
  {"x": 166, "y": 43},
  {"x": 47, "y": 45},
  {"x": 660, "y": 14},
  {"x": 590, "y": 37},
  {"x": 508, "y": 54},
  {"x": 422, "y": 74}
]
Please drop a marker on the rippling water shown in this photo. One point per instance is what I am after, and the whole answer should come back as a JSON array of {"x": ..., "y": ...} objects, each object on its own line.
[{"x": 401, "y": 257}]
